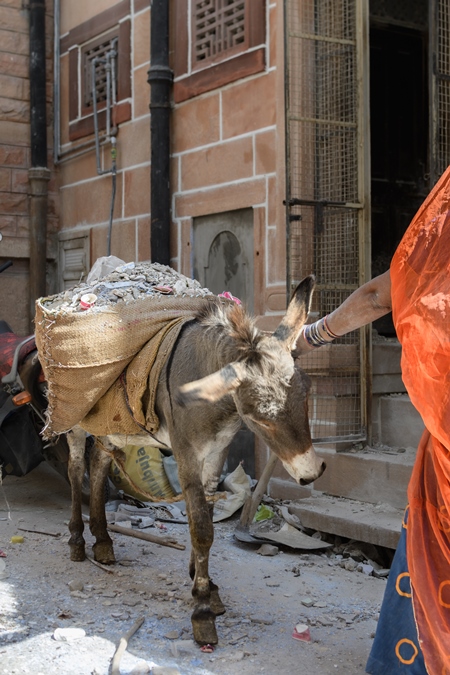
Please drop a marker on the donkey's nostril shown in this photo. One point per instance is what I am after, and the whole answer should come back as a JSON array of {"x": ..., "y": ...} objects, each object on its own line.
[{"x": 307, "y": 481}]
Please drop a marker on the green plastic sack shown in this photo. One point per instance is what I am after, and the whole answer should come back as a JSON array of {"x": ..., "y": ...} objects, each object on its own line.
[{"x": 263, "y": 513}]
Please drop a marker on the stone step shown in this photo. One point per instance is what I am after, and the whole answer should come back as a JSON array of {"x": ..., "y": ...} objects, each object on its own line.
[
  {"x": 371, "y": 476},
  {"x": 395, "y": 421},
  {"x": 378, "y": 524}
]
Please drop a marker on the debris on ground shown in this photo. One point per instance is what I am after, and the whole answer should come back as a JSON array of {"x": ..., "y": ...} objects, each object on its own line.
[
  {"x": 265, "y": 597},
  {"x": 301, "y": 632}
]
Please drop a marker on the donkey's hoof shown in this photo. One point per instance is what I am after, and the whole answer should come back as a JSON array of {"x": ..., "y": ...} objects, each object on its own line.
[
  {"x": 103, "y": 553},
  {"x": 204, "y": 628},
  {"x": 216, "y": 603},
  {"x": 77, "y": 552}
]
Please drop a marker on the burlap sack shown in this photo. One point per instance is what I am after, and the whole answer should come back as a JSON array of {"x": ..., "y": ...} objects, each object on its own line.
[
  {"x": 83, "y": 353},
  {"x": 128, "y": 406}
]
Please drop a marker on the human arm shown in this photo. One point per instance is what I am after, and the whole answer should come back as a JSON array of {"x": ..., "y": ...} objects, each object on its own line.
[{"x": 367, "y": 303}]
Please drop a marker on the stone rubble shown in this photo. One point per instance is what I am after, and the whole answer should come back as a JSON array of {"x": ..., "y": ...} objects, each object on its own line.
[
  {"x": 265, "y": 599},
  {"x": 127, "y": 283}
]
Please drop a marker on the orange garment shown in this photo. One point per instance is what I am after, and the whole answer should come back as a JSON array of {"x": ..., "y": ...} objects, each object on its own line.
[{"x": 420, "y": 275}]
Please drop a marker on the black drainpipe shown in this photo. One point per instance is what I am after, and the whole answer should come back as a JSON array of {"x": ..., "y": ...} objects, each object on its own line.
[
  {"x": 160, "y": 78},
  {"x": 39, "y": 175}
]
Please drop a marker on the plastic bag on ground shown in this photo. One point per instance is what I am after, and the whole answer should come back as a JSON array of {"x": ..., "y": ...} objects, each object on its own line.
[{"x": 237, "y": 491}]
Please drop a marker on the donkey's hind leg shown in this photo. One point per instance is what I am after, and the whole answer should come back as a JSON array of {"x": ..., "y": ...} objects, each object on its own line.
[
  {"x": 212, "y": 469},
  {"x": 202, "y": 534},
  {"x": 200, "y": 514},
  {"x": 100, "y": 463},
  {"x": 76, "y": 440}
]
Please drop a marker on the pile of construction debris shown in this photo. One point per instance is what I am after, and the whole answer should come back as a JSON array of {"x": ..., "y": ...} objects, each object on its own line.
[{"x": 126, "y": 282}]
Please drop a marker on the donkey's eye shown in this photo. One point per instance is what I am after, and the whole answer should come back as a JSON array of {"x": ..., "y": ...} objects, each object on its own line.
[{"x": 262, "y": 423}]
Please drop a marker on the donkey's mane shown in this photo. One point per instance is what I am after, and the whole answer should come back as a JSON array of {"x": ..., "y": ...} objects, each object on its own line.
[{"x": 232, "y": 321}]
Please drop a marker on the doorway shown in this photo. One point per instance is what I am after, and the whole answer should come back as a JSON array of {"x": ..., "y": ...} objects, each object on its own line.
[{"x": 399, "y": 139}]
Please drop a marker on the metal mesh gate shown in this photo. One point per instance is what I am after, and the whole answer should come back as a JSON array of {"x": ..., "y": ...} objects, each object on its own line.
[
  {"x": 326, "y": 194},
  {"x": 440, "y": 88}
]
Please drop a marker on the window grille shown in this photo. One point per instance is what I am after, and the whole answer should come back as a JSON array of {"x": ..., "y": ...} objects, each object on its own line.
[
  {"x": 217, "y": 42},
  {"x": 103, "y": 52},
  {"x": 218, "y": 26},
  {"x": 95, "y": 39}
]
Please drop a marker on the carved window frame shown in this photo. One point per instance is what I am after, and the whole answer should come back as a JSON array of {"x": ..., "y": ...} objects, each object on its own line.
[
  {"x": 247, "y": 57},
  {"x": 111, "y": 24}
]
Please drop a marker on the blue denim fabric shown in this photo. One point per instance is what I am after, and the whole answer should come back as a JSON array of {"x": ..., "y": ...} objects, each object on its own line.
[{"x": 396, "y": 649}]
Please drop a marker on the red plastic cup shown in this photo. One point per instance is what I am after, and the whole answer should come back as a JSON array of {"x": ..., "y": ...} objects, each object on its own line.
[{"x": 87, "y": 300}]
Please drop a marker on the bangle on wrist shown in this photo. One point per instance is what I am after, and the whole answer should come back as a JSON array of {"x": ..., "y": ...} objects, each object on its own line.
[
  {"x": 328, "y": 329},
  {"x": 318, "y": 333}
]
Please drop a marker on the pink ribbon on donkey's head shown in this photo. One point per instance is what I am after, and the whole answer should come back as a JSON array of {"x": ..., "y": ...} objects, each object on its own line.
[{"x": 229, "y": 296}]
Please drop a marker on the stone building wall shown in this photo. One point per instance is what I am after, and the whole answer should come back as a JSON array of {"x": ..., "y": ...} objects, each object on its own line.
[
  {"x": 85, "y": 197},
  {"x": 15, "y": 160},
  {"x": 227, "y": 154}
]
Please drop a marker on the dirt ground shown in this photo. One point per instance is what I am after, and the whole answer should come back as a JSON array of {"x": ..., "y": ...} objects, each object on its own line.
[{"x": 265, "y": 598}]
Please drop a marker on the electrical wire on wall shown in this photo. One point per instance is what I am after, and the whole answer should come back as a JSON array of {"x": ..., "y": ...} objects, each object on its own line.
[{"x": 109, "y": 63}]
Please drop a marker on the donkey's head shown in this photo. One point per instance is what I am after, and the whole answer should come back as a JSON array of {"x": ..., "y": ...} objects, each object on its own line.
[{"x": 270, "y": 392}]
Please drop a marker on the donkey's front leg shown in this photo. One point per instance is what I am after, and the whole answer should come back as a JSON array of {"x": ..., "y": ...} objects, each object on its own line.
[
  {"x": 216, "y": 603},
  {"x": 202, "y": 535},
  {"x": 100, "y": 463},
  {"x": 76, "y": 439}
]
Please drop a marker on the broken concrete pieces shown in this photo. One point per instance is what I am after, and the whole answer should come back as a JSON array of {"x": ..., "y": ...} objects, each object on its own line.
[
  {"x": 168, "y": 513},
  {"x": 268, "y": 549},
  {"x": 289, "y": 536}
]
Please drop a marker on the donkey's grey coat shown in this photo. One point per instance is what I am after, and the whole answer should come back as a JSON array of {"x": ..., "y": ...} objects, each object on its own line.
[{"x": 232, "y": 372}]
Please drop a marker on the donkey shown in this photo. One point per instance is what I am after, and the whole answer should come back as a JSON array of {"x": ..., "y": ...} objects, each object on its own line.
[{"x": 231, "y": 372}]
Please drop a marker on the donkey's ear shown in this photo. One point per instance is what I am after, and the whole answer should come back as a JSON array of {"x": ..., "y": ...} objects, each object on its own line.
[
  {"x": 296, "y": 314},
  {"x": 213, "y": 387}
]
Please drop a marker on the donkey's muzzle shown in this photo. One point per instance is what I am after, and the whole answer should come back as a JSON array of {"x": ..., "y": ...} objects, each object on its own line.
[{"x": 304, "y": 481}]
